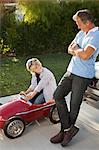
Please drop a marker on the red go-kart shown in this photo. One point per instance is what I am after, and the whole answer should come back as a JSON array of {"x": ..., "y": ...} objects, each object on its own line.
[{"x": 16, "y": 114}]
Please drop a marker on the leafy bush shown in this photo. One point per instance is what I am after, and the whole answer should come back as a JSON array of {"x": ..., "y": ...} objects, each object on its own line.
[{"x": 46, "y": 26}]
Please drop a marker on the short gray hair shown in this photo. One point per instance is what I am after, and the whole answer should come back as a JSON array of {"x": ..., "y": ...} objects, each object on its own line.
[
  {"x": 30, "y": 62},
  {"x": 85, "y": 15}
]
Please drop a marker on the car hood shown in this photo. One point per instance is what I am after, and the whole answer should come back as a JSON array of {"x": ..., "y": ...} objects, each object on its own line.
[{"x": 13, "y": 107}]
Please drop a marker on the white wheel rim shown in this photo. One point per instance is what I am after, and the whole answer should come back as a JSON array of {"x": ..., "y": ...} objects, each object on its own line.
[{"x": 15, "y": 128}]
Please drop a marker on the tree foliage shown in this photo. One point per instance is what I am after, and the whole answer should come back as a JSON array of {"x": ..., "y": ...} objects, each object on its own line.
[{"x": 47, "y": 26}]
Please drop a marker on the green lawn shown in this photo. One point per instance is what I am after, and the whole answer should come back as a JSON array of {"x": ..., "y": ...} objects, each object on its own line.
[{"x": 14, "y": 76}]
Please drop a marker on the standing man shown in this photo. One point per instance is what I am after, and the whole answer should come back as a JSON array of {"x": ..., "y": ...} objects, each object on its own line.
[{"x": 84, "y": 48}]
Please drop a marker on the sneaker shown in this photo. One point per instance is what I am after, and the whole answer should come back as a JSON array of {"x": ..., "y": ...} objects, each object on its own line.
[
  {"x": 57, "y": 138},
  {"x": 68, "y": 135}
]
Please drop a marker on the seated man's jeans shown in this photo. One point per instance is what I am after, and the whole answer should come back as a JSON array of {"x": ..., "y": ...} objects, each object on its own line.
[
  {"x": 38, "y": 99},
  {"x": 77, "y": 85}
]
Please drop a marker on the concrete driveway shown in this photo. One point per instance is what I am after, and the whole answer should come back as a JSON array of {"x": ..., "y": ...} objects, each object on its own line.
[{"x": 37, "y": 135}]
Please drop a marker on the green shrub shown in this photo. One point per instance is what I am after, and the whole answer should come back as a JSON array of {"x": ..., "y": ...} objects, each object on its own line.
[{"x": 46, "y": 26}]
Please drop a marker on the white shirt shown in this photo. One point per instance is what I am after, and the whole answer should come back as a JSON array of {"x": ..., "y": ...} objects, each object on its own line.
[{"x": 47, "y": 83}]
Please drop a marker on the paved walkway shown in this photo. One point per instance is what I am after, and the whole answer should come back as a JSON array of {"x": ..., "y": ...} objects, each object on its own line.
[{"x": 37, "y": 135}]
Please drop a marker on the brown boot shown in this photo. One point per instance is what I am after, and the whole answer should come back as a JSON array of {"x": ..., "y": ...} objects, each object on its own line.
[
  {"x": 68, "y": 135},
  {"x": 57, "y": 138}
]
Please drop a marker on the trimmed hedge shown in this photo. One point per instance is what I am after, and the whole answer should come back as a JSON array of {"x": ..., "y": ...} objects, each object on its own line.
[{"x": 47, "y": 26}]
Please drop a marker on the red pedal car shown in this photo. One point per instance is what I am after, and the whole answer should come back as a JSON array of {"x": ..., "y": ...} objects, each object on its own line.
[{"x": 16, "y": 114}]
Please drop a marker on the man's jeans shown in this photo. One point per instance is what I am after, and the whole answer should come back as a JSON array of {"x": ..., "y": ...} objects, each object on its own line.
[
  {"x": 38, "y": 99},
  {"x": 77, "y": 85}
]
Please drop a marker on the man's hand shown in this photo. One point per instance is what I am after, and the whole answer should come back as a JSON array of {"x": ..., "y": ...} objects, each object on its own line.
[
  {"x": 71, "y": 52},
  {"x": 22, "y": 93},
  {"x": 72, "y": 48},
  {"x": 30, "y": 95}
]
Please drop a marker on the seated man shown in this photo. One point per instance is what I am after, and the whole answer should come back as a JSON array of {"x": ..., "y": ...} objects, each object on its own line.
[{"x": 43, "y": 83}]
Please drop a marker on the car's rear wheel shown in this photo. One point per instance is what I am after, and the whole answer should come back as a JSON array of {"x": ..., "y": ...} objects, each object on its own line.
[
  {"x": 14, "y": 128},
  {"x": 53, "y": 116}
]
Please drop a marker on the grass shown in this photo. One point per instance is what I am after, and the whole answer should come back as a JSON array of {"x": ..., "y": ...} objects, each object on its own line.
[{"x": 15, "y": 78}]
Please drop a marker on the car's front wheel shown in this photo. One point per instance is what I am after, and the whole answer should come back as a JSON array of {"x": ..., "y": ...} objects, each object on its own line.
[
  {"x": 14, "y": 128},
  {"x": 53, "y": 116}
]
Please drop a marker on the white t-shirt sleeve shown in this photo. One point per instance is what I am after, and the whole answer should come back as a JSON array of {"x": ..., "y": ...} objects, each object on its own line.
[{"x": 93, "y": 42}]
